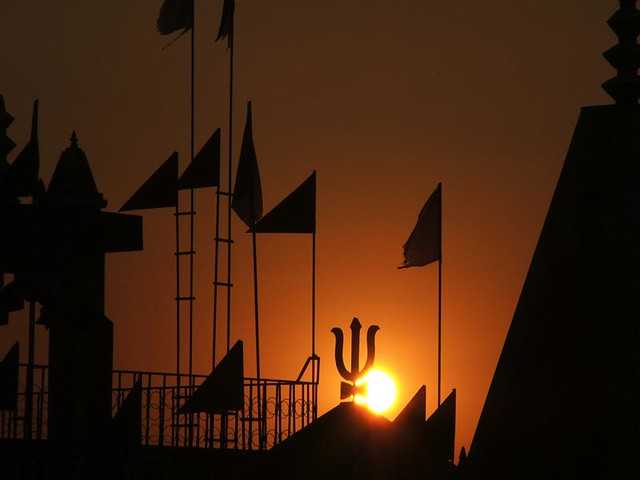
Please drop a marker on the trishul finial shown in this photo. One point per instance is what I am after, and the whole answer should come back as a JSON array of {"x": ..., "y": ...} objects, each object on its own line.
[
  {"x": 625, "y": 56},
  {"x": 354, "y": 372}
]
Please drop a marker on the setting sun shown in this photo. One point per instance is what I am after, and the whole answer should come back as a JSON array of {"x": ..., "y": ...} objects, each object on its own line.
[{"x": 378, "y": 391}]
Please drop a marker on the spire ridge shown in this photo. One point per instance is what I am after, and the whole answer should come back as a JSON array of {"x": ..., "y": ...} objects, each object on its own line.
[{"x": 624, "y": 88}]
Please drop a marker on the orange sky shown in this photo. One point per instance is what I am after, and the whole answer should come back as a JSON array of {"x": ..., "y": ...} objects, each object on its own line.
[{"x": 384, "y": 99}]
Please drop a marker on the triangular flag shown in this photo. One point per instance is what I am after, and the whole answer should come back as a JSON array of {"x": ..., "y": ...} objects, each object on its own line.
[
  {"x": 441, "y": 428},
  {"x": 4, "y": 313},
  {"x": 159, "y": 191},
  {"x": 175, "y": 15},
  {"x": 424, "y": 245},
  {"x": 247, "y": 194},
  {"x": 127, "y": 423},
  {"x": 223, "y": 390},
  {"x": 204, "y": 170},
  {"x": 23, "y": 174},
  {"x": 9, "y": 379},
  {"x": 226, "y": 22},
  {"x": 414, "y": 412},
  {"x": 11, "y": 297},
  {"x": 295, "y": 214}
]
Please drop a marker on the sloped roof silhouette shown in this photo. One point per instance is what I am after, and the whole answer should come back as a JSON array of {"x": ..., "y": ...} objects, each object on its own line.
[{"x": 571, "y": 349}]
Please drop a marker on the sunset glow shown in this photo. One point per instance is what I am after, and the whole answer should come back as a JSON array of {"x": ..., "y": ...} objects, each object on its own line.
[{"x": 379, "y": 392}]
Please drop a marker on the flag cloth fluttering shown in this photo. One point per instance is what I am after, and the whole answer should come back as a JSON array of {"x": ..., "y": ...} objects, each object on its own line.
[
  {"x": 247, "y": 193},
  {"x": 295, "y": 214},
  {"x": 424, "y": 245},
  {"x": 226, "y": 22},
  {"x": 223, "y": 390},
  {"x": 9, "y": 379},
  {"x": 175, "y": 15},
  {"x": 159, "y": 191},
  {"x": 23, "y": 174},
  {"x": 204, "y": 170}
]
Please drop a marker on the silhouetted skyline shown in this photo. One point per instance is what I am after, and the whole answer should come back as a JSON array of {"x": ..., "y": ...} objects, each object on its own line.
[{"x": 384, "y": 99}]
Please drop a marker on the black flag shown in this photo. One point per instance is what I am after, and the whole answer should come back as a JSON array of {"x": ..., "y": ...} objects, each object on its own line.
[
  {"x": 204, "y": 170},
  {"x": 222, "y": 391},
  {"x": 9, "y": 379},
  {"x": 160, "y": 190},
  {"x": 127, "y": 423},
  {"x": 295, "y": 214},
  {"x": 23, "y": 177},
  {"x": 175, "y": 15},
  {"x": 226, "y": 22},
  {"x": 247, "y": 194},
  {"x": 424, "y": 244}
]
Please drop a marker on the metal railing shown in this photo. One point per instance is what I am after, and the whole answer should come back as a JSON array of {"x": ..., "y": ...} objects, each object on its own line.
[{"x": 273, "y": 410}]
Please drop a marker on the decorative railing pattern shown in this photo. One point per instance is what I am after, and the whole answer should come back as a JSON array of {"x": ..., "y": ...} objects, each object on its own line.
[{"x": 273, "y": 410}]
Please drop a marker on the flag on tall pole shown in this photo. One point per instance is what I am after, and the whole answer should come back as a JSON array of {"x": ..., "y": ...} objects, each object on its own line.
[
  {"x": 175, "y": 15},
  {"x": 297, "y": 214},
  {"x": 159, "y": 191},
  {"x": 227, "y": 22},
  {"x": 424, "y": 247},
  {"x": 247, "y": 203},
  {"x": 23, "y": 174},
  {"x": 226, "y": 30},
  {"x": 247, "y": 193}
]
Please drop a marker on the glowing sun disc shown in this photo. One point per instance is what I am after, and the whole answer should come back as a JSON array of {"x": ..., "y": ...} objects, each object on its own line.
[{"x": 379, "y": 392}]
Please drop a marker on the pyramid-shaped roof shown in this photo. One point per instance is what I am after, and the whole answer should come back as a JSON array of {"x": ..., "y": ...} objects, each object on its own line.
[{"x": 72, "y": 181}]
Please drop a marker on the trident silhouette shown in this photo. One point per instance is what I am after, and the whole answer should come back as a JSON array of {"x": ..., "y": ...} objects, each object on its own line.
[{"x": 346, "y": 389}]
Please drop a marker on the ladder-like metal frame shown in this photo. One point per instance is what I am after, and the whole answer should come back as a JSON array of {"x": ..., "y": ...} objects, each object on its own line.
[{"x": 189, "y": 298}]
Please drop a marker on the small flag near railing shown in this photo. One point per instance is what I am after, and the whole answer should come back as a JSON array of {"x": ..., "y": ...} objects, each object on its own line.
[
  {"x": 9, "y": 379},
  {"x": 127, "y": 423},
  {"x": 223, "y": 390}
]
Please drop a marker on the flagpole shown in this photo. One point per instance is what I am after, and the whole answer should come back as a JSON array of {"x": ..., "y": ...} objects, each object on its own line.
[
  {"x": 231, "y": 44},
  {"x": 439, "y": 330},
  {"x": 192, "y": 211},
  {"x": 191, "y": 193},
  {"x": 28, "y": 414},
  {"x": 313, "y": 322},
  {"x": 440, "y": 307},
  {"x": 257, "y": 329},
  {"x": 313, "y": 294}
]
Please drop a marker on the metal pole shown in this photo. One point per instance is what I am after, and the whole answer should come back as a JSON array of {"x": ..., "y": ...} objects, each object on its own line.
[
  {"x": 192, "y": 198},
  {"x": 313, "y": 295},
  {"x": 439, "y": 330},
  {"x": 192, "y": 207},
  {"x": 229, "y": 192},
  {"x": 440, "y": 306},
  {"x": 216, "y": 280},
  {"x": 257, "y": 329},
  {"x": 178, "y": 294},
  {"x": 28, "y": 407}
]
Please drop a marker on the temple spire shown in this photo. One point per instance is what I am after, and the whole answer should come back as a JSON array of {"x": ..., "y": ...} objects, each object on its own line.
[{"x": 625, "y": 56}]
